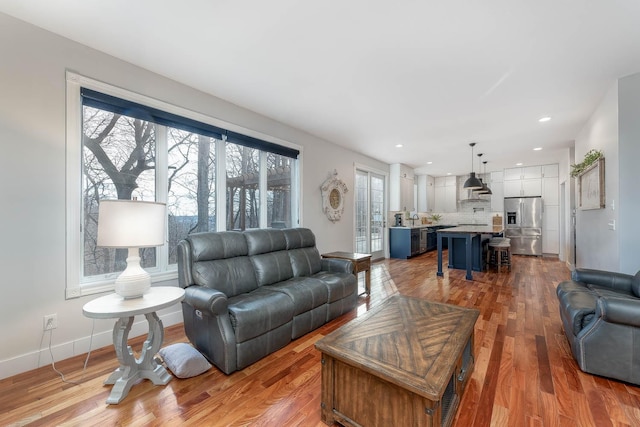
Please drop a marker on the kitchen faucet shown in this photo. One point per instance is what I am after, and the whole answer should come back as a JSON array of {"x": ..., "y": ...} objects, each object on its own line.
[{"x": 414, "y": 217}]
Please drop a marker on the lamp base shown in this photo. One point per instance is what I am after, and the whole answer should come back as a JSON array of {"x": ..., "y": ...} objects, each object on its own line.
[{"x": 134, "y": 281}]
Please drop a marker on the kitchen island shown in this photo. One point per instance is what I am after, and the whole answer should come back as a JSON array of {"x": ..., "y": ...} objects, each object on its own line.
[
  {"x": 407, "y": 242},
  {"x": 465, "y": 246}
]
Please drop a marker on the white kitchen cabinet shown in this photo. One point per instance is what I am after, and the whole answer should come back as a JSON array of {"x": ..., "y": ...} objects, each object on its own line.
[
  {"x": 445, "y": 194},
  {"x": 527, "y": 172},
  {"x": 550, "y": 171},
  {"x": 551, "y": 215},
  {"x": 406, "y": 190},
  {"x": 497, "y": 191},
  {"x": 401, "y": 188},
  {"x": 523, "y": 182},
  {"x": 523, "y": 188},
  {"x": 550, "y": 229},
  {"x": 550, "y": 191},
  {"x": 425, "y": 193}
]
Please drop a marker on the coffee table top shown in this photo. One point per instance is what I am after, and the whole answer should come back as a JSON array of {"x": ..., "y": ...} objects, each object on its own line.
[{"x": 410, "y": 342}]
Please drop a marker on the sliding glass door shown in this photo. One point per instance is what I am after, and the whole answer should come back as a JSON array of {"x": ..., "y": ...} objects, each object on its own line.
[{"x": 370, "y": 213}]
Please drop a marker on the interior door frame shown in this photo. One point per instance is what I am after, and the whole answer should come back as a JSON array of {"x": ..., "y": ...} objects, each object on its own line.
[{"x": 385, "y": 221}]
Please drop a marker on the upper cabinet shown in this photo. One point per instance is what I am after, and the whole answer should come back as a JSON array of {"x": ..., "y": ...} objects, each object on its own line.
[
  {"x": 523, "y": 182},
  {"x": 446, "y": 194},
  {"x": 401, "y": 188},
  {"x": 426, "y": 193},
  {"x": 550, "y": 185},
  {"x": 497, "y": 191}
]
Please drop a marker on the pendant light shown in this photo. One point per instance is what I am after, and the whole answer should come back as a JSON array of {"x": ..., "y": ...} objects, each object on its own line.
[
  {"x": 485, "y": 187},
  {"x": 481, "y": 190},
  {"x": 472, "y": 183}
]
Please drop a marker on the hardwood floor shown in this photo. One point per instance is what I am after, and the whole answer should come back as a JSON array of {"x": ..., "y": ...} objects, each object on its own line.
[{"x": 524, "y": 373}]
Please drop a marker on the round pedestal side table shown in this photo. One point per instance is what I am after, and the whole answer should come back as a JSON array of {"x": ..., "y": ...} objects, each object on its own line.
[{"x": 132, "y": 369}]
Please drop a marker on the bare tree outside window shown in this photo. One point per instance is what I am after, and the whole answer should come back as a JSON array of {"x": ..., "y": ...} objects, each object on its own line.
[
  {"x": 243, "y": 179},
  {"x": 278, "y": 191},
  {"x": 191, "y": 202},
  {"x": 118, "y": 160}
]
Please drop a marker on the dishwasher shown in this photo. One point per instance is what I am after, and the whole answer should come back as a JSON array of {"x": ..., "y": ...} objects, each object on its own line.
[{"x": 424, "y": 237}]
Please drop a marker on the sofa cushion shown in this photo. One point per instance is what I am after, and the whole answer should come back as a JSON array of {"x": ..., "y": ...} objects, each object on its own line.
[
  {"x": 265, "y": 240},
  {"x": 306, "y": 293},
  {"x": 305, "y": 261},
  {"x": 272, "y": 267},
  {"x": 258, "y": 312},
  {"x": 232, "y": 276},
  {"x": 339, "y": 285},
  {"x": 577, "y": 304},
  {"x": 299, "y": 238},
  {"x": 635, "y": 284},
  {"x": 210, "y": 245}
]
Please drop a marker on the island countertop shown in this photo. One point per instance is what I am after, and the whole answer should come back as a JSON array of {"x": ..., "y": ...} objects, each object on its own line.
[{"x": 476, "y": 229}]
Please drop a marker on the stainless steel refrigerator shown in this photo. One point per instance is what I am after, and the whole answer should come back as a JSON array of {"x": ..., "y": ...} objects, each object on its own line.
[{"x": 523, "y": 224}]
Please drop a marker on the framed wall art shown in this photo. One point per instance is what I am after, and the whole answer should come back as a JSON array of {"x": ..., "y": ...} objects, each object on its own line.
[{"x": 591, "y": 186}]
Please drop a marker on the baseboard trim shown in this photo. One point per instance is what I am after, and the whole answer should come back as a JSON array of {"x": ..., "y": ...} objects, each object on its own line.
[{"x": 36, "y": 359}]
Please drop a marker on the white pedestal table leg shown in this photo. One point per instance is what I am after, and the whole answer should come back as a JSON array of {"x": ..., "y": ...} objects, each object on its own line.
[{"x": 132, "y": 369}]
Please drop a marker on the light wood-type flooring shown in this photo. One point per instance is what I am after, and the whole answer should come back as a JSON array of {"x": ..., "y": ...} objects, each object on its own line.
[{"x": 524, "y": 373}]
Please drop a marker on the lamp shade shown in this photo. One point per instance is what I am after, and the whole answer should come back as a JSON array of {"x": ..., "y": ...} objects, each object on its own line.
[
  {"x": 131, "y": 224},
  {"x": 472, "y": 183}
]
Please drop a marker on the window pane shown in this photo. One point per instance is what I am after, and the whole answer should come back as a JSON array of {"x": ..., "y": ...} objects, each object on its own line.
[
  {"x": 191, "y": 202},
  {"x": 118, "y": 163},
  {"x": 377, "y": 212},
  {"x": 243, "y": 178},
  {"x": 361, "y": 212},
  {"x": 278, "y": 191}
]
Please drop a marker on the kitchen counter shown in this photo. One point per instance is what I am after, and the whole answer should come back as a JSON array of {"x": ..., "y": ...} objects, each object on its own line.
[
  {"x": 480, "y": 229},
  {"x": 406, "y": 242},
  {"x": 465, "y": 246}
]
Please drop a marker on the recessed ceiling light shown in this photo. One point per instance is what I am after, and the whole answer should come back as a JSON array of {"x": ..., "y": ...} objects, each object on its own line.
[
  {"x": 399, "y": 145},
  {"x": 519, "y": 164},
  {"x": 448, "y": 173},
  {"x": 537, "y": 149},
  {"x": 429, "y": 163},
  {"x": 544, "y": 119}
]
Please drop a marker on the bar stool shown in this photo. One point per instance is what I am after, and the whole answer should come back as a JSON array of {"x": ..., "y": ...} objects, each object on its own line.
[{"x": 499, "y": 253}]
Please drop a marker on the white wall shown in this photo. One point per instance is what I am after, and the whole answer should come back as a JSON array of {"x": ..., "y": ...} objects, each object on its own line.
[
  {"x": 629, "y": 148},
  {"x": 32, "y": 185},
  {"x": 596, "y": 245},
  {"x": 615, "y": 129}
]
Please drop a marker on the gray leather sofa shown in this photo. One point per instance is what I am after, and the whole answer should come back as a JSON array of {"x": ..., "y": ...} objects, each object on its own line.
[
  {"x": 248, "y": 294},
  {"x": 600, "y": 312}
]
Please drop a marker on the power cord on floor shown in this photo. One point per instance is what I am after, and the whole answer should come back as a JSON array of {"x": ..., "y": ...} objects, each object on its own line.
[{"x": 53, "y": 364}]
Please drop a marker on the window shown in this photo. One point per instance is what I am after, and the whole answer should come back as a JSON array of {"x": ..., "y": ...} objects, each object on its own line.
[{"x": 121, "y": 145}]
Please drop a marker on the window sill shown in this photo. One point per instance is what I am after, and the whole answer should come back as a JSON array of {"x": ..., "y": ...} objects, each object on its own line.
[{"x": 108, "y": 285}]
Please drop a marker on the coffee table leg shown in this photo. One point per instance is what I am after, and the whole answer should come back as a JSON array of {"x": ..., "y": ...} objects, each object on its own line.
[{"x": 132, "y": 369}]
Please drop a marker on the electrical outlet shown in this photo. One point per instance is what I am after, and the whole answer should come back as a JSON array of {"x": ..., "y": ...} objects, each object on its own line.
[{"x": 50, "y": 322}]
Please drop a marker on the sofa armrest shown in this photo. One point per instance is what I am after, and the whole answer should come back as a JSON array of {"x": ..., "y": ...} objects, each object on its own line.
[
  {"x": 336, "y": 265},
  {"x": 625, "y": 311},
  {"x": 606, "y": 279},
  {"x": 210, "y": 301}
]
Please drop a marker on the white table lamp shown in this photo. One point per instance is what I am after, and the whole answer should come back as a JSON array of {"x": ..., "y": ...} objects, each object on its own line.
[{"x": 131, "y": 224}]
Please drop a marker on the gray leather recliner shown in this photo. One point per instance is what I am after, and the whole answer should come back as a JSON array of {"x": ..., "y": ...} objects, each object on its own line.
[
  {"x": 248, "y": 294},
  {"x": 600, "y": 313}
]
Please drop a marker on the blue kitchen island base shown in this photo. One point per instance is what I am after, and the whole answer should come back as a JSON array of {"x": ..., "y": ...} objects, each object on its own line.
[{"x": 465, "y": 247}]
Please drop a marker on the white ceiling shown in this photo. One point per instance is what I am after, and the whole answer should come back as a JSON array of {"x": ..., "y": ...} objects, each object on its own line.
[{"x": 369, "y": 74}]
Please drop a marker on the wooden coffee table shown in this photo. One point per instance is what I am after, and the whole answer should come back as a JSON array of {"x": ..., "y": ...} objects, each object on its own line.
[
  {"x": 361, "y": 262},
  {"x": 404, "y": 363}
]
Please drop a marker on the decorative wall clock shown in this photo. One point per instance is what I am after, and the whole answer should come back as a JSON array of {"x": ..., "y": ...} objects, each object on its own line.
[{"x": 333, "y": 191}]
